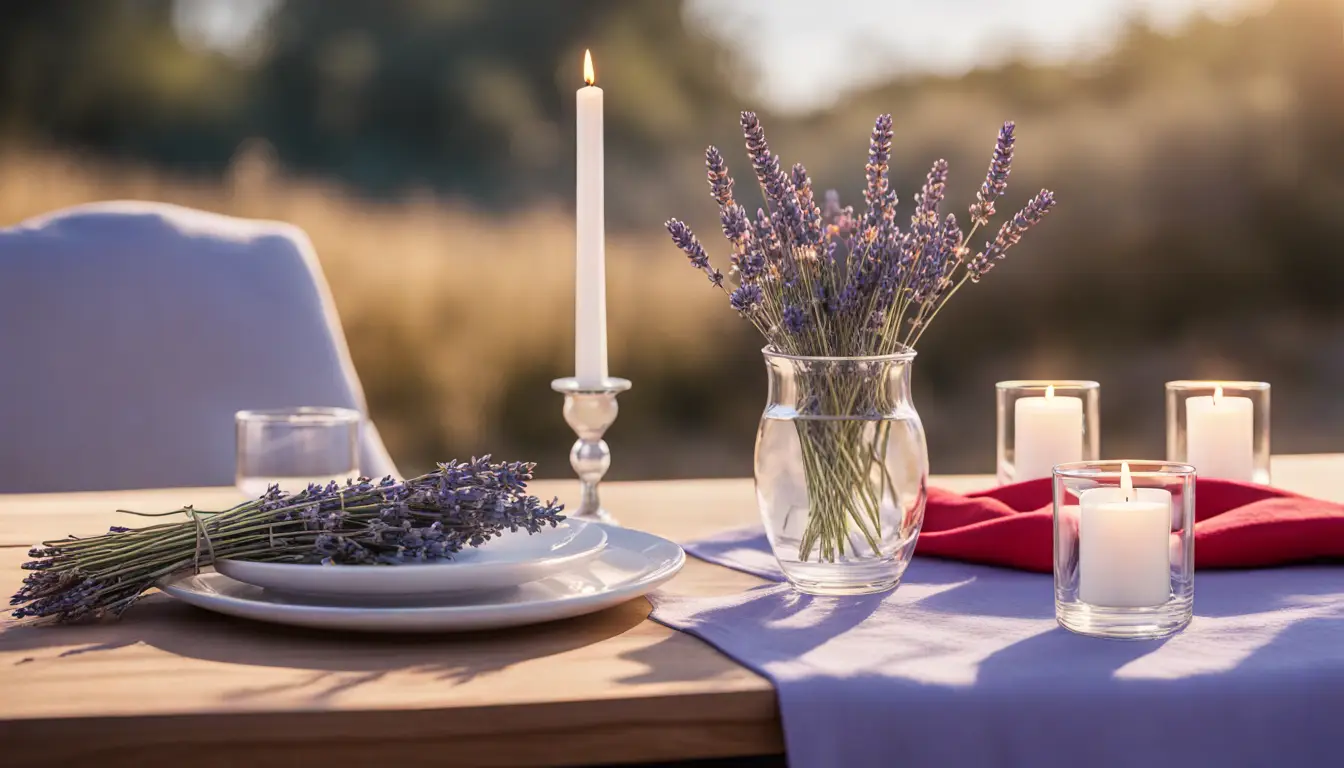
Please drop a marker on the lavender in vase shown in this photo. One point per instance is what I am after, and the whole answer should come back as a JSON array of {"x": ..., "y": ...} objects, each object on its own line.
[{"x": 842, "y": 298}]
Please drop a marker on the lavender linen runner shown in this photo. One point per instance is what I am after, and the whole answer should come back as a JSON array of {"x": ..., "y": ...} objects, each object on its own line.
[{"x": 963, "y": 665}]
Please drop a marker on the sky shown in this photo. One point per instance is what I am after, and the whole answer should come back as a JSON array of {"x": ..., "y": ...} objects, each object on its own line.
[{"x": 806, "y": 52}]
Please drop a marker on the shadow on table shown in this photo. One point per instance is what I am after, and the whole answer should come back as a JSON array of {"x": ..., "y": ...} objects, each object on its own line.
[
  {"x": 775, "y": 604},
  {"x": 1293, "y": 610},
  {"x": 340, "y": 661},
  {"x": 1087, "y": 658}
]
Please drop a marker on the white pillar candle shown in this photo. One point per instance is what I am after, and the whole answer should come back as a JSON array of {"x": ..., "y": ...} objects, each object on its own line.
[
  {"x": 590, "y": 281},
  {"x": 1124, "y": 552},
  {"x": 1046, "y": 431},
  {"x": 1219, "y": 436}
]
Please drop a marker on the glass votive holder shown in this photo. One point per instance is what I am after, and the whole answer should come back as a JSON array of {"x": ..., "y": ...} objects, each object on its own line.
[
  {"x": 1043, "y": 423},
  {"x": 1124, "y": 548},
  {"x": 292, "y": 447},
  {"x": 1220, "y": 427}
]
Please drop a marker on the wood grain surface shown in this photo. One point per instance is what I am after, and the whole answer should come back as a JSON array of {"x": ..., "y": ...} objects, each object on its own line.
[{"x": 172, "y": 685}]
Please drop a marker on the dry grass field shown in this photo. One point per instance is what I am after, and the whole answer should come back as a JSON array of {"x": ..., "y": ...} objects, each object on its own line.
[{"x": 447, "y": 310}]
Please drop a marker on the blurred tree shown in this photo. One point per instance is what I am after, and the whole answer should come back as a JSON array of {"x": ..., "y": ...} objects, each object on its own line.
[
  {"x": 469, "y": 97},
  {"x": 115, "y": 77},
  {"x": 473, "y": 96}
]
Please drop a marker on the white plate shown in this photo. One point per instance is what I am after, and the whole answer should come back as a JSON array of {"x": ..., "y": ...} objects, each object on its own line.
[
  {"x": 512, "y": 559},
  {"x": 631, "y": 565}
]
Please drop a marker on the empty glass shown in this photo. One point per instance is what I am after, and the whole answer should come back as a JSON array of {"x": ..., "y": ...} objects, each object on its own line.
[{"x": 293, "y": 447}]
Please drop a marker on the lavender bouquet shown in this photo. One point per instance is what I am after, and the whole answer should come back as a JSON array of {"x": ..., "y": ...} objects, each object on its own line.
[
  {"x": 431, "y": 517},
  {"x": 821, "y": 281}
]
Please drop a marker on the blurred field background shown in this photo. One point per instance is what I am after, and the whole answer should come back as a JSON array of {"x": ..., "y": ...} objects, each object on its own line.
[{"x": 427, "y": 149}]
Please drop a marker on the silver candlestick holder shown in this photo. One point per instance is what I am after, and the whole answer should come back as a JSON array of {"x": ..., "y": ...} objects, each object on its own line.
[{"x": 590, "y": 409}]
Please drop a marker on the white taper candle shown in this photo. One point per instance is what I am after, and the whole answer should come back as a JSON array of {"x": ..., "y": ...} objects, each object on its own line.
[{"x": 590, "y": 280}]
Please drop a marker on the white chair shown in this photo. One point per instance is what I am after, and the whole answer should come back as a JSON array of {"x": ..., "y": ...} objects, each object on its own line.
[{"x": 131, "y": 332}]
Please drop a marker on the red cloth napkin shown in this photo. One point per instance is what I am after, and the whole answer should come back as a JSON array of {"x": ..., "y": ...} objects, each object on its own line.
[{"x": 1237, "y": 525}]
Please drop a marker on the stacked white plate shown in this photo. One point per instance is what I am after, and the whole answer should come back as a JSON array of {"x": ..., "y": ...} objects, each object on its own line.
[{"x": 575, "y": 568}]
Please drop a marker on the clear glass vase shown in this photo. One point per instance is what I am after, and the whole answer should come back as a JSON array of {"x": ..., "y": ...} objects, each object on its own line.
[{"x": 841, "y": 470}]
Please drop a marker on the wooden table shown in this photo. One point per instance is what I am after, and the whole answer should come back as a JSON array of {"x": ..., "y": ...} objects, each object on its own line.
[{"x": 171, "y": 685}]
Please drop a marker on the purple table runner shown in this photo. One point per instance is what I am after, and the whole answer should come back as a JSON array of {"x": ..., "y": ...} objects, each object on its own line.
[{"x": 964, "y": 665}]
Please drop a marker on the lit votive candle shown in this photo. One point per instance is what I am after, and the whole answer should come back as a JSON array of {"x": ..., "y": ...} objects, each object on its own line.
[
  {"x": 1220, "y": 436},
  {"x": 1046, "y": 431},
  {"x": 1124, "y": 551}
]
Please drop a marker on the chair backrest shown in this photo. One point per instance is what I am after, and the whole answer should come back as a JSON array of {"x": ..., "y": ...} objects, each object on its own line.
[{"x": 130, "y": 333}]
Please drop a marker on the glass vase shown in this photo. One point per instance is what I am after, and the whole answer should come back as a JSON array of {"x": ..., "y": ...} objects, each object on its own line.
[{"x": 841, "y": 470}]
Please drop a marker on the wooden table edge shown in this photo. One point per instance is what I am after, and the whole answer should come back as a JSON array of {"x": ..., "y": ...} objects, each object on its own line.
[{"x": 639, "y": 729}]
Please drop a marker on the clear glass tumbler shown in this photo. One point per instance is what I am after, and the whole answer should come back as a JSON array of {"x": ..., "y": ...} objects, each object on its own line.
[
  {"x": 292, "y": 447},
  {"x": 1044, "y": 422},
  {"x": 1124, "y": 547},
  {"x": 1220, "y": 427}
]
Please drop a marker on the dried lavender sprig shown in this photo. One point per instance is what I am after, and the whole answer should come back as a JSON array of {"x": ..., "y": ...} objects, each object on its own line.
[
  {"x": 690, "y": 245},
  {"x": 763, "y": 162},
  {"x": 766, "y": 237},
  {"x": 304, "y": 509},
  {"x": 751, "y": 266},
  {"x": 779, "y": 190},
  {"x": 736, "y": 226},
  {"x": 779, "y": 260},
  {"x": 829, "y": 254},
  {"x": 921, "y": 245},
  {"x": 720, "y": 183},
  {"x": 996, "y": 179},
  {"x": 460, "y": 504},
  {"x": 930, "y": 197},
  {"x": 746, "y": 298},
  {"x": 795, "y": 320},
  {"x": 879, "y": 158},
  {"x": 940, "y": 260},
  {"x": 955, "y": 250},
  {"x": 1010, "y": 233},
  {"x": 811, "y": 213}
]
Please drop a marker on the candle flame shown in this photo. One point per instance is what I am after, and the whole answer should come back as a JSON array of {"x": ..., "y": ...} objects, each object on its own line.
[
  {"x": 1126, "y": 482},
  {"x": 589, "y": 76},
  {"x": 1217, "y": 394},
  {"x": 1049, "y": 391}
]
